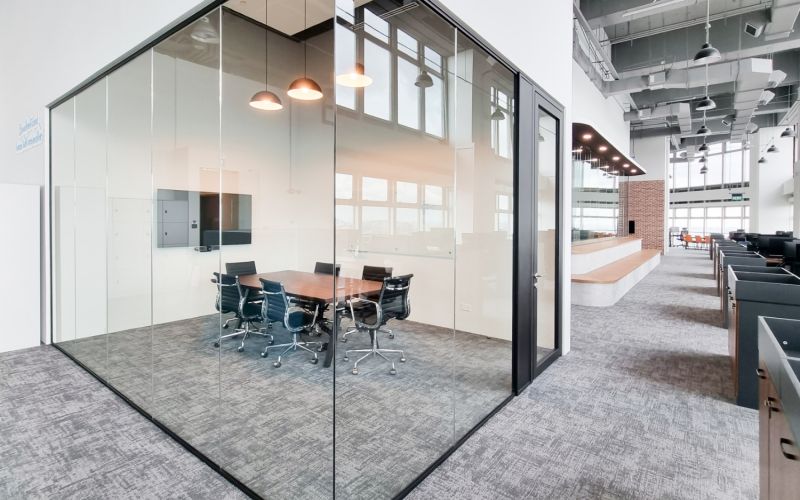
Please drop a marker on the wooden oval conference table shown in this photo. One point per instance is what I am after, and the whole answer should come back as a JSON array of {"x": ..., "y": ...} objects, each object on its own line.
[{"x": 319, "y": 288}]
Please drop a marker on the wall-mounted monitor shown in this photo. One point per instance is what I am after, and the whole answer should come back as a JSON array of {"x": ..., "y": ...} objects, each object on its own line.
[{"x": 203, "y": 220}]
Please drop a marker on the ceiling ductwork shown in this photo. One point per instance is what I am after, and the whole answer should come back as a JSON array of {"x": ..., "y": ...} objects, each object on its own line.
[
  {"x": 686, "y": 78},
  {"x": 753, "y": 78},
  {"x": 783, "y": 15},
  {"x": 680, "y": 111}
]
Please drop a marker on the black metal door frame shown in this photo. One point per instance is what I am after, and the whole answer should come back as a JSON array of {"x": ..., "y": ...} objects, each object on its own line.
[{"x": 544, "y": 105}]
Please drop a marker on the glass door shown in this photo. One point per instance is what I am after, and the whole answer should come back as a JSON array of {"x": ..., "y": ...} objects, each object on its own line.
[{"x": 546, "y": 257}]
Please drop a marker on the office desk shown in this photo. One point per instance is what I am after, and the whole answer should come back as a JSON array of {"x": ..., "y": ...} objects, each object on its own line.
[{"x": 317, "y": 288}]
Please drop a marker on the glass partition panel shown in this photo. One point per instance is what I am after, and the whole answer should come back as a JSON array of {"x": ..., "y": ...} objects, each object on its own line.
[
  {"x": 483, "y": 133},
  {"x": 129, "y": 205},
  {"x": 89, "y": 344},
  {"x": 228, "y": 248},
  {"x": 186, "y": 183},
  {"x": 62, "y": 210},
  {"x": 546, "y": 232},
  {"x": 276, "y": 223},
  {"x": 595, "y": 201},
  {"x": 395, "y": 238}
]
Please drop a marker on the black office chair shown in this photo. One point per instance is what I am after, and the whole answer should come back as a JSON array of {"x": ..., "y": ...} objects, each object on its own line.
[
  {"x": 242, "y": 269},
  {"x": 370, "y": 273},
  {"x": 370, "y": 315},
  {"x": 296, "y": 315},
  {"x": 232, "y": 297},
  {"x": 327, "y": 268}
]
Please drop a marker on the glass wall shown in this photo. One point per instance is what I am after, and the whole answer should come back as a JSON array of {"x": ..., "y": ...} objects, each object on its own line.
[
  {"x": 707, "y": 219},
  {"x": 276, "y": 219},
  {"x": 595, "y": 201},
  {"x": 727, "y": 163}
]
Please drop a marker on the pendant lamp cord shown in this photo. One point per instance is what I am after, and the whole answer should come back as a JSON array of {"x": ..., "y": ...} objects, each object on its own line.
[
  {"x": 708, "y": 18},
  {"x": 305, "y": 42},
  {"x": 266, "y": 44}
]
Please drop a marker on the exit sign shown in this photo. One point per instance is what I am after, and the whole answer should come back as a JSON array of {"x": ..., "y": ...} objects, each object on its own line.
[{"x": 737, "y": 196}]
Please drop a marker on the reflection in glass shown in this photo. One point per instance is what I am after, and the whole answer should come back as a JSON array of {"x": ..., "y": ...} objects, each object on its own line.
[
  {"x": 595, "y": 201},
  {"x": 185, "y": 167},
  {"x": 129, "y": 236},
  {"x": 546, "y": 230},
  {"x": 395, "y": 416}
]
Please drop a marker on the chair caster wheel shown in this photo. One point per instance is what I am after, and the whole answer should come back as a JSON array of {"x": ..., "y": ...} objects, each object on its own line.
[
  {"x": 391, "y": 335},
  {"x": 216, "y": 344},
  {"x": 315, "y": 361},
  {"x": 392, "y": 372},
  {"x": 345, "y": 358},
  {"x": 355, "y": 371},
  {"x": 276, "y": 364},
  {"x": 270, "y": 342},
  {"x": 402, "y": 360},
  {"x": 344, "y": 340},
  {"x": 225, "y": 326},
  {"x": 240, "y": 348},
  {"x": 264, "y": 354}
]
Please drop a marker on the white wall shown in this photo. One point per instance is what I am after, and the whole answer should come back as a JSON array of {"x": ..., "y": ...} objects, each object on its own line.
[
  {"x": 604, "y": 114},
  {"x": 770, "y": 209},
  {"x": 19, "y": 205}
]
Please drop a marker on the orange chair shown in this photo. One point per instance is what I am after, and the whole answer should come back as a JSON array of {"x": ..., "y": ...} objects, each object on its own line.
[
  {"x": 687, "y": 238},
  {"x": 698, "y": 241},
  {"x": 707, "y": 241}
]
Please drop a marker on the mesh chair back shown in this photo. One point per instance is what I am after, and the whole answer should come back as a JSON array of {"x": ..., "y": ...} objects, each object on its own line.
[
  {"x": 241, "y": 268},
  {"x": 327, "y": 268},
  {"x": 376, "y": 273},
  {"x": 394, "y": 297},
  {"x": 275, "y": 303},
  {"x": 227, "y": 293}
]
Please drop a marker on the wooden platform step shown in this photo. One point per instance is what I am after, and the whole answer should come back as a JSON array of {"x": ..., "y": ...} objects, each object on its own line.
[
  {"x": 589, "y": 246},
  {"x": 617, "y": 270}
]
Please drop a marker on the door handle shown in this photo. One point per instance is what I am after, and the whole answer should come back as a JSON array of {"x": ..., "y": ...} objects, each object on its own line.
[{"x": 790, "y": 456}]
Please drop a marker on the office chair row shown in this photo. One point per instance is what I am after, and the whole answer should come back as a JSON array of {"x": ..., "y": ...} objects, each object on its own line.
[{"x": 272, "y": 305}]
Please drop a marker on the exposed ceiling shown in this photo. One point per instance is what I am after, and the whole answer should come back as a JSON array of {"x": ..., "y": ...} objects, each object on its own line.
[{"x": 649, "y": 46}]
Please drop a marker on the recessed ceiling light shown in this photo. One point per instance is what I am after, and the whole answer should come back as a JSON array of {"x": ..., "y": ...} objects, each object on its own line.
[
  {"x": 602, "y": 148},
  {"x": 615, "y": 158},
  {"x": 577, "y": 150},
  {"x": 586, "y": 137},
  {"x": 633, "y": 170},
  {"x": 604, "y": 166},
  {"x": 592, "y": 159},
  {"x": 626, "y": 165}
]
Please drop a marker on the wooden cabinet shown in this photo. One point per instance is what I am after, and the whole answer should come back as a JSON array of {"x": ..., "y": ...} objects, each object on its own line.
[{"x": 779, "y": 462}]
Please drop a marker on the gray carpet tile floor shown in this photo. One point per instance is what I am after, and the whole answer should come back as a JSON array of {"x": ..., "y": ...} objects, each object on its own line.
[
  {"x": 272, "y": 428},
  {"x": 64, "y": 435},
  {"x": 641, "y": 408}
]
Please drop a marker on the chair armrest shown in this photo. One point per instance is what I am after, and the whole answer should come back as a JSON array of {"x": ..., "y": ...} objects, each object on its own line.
[
  {"x": 307, "y": 304},
  {"x": 378, "y": 313},
  {"x": 294, "y": 308}
]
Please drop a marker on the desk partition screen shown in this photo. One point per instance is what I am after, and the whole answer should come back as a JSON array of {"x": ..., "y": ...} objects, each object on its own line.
[{"x": 383, "y": 159}]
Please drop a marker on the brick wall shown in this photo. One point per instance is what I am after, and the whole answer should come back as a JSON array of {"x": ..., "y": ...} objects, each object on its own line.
[{"x": 644, "y": 202}]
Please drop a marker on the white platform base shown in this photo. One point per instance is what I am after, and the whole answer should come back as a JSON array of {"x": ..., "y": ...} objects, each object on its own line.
[
  {"x": 583, "y": 263},
  {"x": 607, "y": 294}
]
